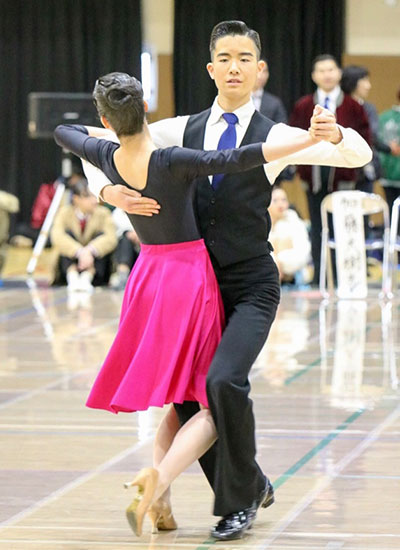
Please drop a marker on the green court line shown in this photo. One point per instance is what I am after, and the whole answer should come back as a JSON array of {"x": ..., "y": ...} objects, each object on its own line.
[
  {"x": 299, "y": 373},
  {"x": 303, "y": 460},
  {"x": 315, "y": 450}
]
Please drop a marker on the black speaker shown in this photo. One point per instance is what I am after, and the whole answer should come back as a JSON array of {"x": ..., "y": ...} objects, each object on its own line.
[{"x": 47, "y": 110}]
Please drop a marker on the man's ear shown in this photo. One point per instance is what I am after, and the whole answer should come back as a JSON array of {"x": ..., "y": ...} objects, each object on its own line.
[
  {"x": 261, "y": 65},
  {"x": 146, "y": 106},
  {"x": 210, "y": 69}
]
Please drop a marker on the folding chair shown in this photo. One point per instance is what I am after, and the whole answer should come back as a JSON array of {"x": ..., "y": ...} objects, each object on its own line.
[
  {"x": 371, "y": 204},
  {"x": 394, "y": 246}
]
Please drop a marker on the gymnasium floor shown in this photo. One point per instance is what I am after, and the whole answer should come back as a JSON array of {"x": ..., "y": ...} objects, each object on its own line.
[{"x": 326, "y": 398}]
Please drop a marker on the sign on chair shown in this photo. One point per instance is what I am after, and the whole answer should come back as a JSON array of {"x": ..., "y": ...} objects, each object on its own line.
[{"x": 348, "y": 224}]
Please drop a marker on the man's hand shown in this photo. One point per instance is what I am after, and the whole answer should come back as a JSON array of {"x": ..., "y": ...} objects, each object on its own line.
[
  {"x": 323, "y": 126},
  {"x": 85, "y": 259},
  {"x": 129, "y": 200}
]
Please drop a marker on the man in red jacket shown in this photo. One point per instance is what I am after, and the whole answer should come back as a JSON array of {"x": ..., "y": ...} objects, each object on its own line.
[{"x": 322, "y": 180}]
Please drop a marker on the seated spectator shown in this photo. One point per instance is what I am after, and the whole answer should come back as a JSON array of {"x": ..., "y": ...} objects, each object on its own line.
[
  {"x": 290, "y": 240},
  {"x": 127, "y": 250},
  {"x": 9, "y": 204},
  {"x": 27, "y": 233},
  {"x": 84, "y": 236}
]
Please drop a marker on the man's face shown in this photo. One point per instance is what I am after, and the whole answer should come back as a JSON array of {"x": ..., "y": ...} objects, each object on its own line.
[
  {"x": 234, "y": 67},
  {"x": 326, "y": 75},
  {"x": 86, "y": 203}
]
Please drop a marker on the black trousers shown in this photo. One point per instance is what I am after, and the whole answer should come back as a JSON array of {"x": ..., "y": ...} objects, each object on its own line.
[{"x": 250, "y": 292}]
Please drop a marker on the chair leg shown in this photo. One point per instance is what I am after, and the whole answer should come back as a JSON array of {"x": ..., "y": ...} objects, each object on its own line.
[
  {"x": 322, "y": 272},
  {"x": 386, "y": 267}
]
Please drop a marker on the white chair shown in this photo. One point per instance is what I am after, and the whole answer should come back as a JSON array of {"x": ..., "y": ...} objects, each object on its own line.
[
  {"x": 394, "y": 246},
  {"x": 371, "y": 204}
]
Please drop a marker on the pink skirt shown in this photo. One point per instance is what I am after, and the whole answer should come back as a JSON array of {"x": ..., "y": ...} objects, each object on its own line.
[{"x": 171, "y": 323}]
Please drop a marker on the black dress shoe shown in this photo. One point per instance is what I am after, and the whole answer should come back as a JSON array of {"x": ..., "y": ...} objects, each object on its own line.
[
  {"x": 233, "y": 526},
  {"x": 266, "y": 497}
]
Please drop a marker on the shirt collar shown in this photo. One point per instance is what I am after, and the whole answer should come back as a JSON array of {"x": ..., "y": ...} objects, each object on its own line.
[
  {"x": 333, "y": 95},
  {"x": 244, "y": 113}
]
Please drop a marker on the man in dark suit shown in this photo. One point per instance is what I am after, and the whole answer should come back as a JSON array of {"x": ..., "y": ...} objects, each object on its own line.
[
  {"x": 321, "y": 180},
  {"x": 235, "y": 224},
  {"x": 267, "y": 104}
]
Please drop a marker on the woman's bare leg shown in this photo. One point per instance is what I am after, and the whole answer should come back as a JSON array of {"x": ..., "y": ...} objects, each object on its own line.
[{"x": 191, "y": 441}]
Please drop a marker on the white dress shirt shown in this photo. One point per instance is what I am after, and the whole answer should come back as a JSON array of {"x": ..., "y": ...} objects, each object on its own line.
[
  {"x": 351, "y": 152},
  {"x": 332, "y": 98}
]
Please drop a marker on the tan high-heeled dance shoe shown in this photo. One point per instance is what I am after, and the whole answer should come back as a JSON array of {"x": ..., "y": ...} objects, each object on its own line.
[
  {"x": 161, "y": 517},
  {"x": 146, "y": 480}
]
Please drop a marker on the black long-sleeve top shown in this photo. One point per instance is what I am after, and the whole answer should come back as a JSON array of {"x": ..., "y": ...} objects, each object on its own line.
[{"x": 170, "y": 179}]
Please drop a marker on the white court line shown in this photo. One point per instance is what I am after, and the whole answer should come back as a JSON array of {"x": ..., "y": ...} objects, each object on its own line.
[
  {"x": 294, "y": 534},
  {"x": 75, "y": 483},
  {"x": 37, "y": 391},
  {"x": 72, "y": 427},
  {"x": 327, "y": 479},
  {"x": 155, "y": 542}
]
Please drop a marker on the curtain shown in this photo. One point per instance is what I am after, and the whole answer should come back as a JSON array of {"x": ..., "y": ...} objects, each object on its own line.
[
  {"x": 292, "y": 33},
  {"x": 55, "y": 46}
]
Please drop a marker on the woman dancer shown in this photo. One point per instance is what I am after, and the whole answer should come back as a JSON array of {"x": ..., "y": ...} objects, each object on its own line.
[{"x": 171, "y": 317}]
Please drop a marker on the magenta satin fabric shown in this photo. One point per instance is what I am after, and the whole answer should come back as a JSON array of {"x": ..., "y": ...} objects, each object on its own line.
[{"x": 171, "y": 323}]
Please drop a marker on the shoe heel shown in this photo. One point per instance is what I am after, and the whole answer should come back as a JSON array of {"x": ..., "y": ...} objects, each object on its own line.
[
  {"x": 269, "y": 499},
  {"x": 155, "y": 517},
  {"x": 146, "y": 480}
]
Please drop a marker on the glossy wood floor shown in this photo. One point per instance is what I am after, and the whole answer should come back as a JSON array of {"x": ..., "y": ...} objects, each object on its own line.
[{"x": 326, "y": 399}]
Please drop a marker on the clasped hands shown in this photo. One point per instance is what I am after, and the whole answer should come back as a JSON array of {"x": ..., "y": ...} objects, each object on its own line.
[{"x": 323, "y": 126}]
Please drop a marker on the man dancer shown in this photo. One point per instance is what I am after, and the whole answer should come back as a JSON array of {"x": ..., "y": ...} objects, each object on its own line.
[{"x": 235, "y": 224}]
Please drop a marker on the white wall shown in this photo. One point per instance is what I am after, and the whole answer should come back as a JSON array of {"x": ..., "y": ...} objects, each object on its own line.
[
  {"x": 158, "y": 25},
  {"x": 373, "y": 27}
]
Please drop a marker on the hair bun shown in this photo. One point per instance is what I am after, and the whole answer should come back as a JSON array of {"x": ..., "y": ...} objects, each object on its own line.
[{"x": 117, "y": 97}]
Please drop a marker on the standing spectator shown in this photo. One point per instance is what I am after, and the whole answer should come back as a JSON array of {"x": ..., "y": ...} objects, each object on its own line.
[
  {"x": 389, "y": 132},
  {"x": 270, "y": 106},
  {"x": 356, "y": 82},
  {"x": 322, "y": 180},
  {"x": 84, "y": 235},
  {"x": 267, "y": 104}
]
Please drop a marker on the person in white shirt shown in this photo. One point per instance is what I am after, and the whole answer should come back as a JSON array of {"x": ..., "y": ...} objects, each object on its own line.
[
  {"x": 289, "y": 237},
  {"x": 235, "y": 225}
]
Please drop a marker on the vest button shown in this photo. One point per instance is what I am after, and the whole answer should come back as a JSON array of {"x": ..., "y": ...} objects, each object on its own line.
[
  {"x": 212, "y": 221},
  {"x": 212, "y": 201},
  {"x": 211, "y": 243}
]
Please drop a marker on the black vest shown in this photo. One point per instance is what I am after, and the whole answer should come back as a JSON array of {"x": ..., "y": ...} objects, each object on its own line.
[{"x": 233, "y": 220}]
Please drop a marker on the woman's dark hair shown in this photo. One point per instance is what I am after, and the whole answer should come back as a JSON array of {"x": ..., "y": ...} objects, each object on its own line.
[
  {"x": 232, "y": 28},
  {"x": 119, "y": 98},
  {"x": 350, "y": 77},
  {"x": 80, "y": 188}
]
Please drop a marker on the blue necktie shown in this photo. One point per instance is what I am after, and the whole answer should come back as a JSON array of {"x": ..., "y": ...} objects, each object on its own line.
[
  {"x": 226, "y": 141},
  {"x": 326, "y": 103}
]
